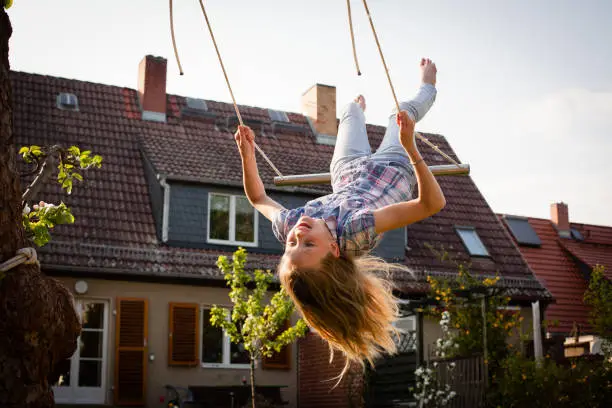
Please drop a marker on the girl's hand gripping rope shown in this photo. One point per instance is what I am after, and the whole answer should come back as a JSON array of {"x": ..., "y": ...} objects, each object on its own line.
[
  {"x": 245, "y": 139},
  {"x": 406, "y": 131}
]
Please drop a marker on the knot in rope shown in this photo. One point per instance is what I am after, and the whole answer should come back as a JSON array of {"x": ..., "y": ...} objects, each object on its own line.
[{"x": 24, "y": 255}]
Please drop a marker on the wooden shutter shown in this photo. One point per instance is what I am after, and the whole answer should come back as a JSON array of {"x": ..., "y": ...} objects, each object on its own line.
[
  {"x": 282, "y": 359},
  {"x": 184, "y": 336},
  {"x": 131, "y": 351}
]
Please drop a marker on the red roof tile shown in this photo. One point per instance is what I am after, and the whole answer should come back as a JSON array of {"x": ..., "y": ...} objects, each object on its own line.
[
  {"x": 554, "y": 264},
  {"x": 115, "y": 227},
  {"x": 591, "y": 254}
]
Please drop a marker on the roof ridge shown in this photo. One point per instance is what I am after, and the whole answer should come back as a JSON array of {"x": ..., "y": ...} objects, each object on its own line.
[{"x": 43, "y": 76}]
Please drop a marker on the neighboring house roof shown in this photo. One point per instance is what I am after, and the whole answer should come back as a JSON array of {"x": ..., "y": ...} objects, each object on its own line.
[
  {"x": 115, "y": 229},
  {"x": 560, "y": 264}
]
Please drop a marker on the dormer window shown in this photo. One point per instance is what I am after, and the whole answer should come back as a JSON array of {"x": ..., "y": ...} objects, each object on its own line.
[
  {"x": 472, "y": 241},
  {"x": 67, "y": 101},
  {"x": 278, "y": 116},
  {"x": 522, "y": 231}
]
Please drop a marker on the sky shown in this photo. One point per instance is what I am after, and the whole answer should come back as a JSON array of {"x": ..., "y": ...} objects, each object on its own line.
[{"x": 524, "y": 86}]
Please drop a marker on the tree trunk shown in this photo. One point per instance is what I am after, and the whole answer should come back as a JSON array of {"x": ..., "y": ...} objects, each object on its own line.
[
  {"x": 38, "y": 324},
  {"x": 253, "y": 381}
]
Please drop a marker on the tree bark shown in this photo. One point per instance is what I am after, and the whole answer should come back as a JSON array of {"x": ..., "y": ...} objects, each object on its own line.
[{"x": 38, "y": 323}]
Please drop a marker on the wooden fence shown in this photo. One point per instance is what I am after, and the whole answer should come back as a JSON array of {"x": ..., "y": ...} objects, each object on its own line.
[{"x": 466, "y": 376}]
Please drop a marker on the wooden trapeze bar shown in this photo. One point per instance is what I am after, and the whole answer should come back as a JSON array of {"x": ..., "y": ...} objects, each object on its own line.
[{"x": 325, "y": 178}]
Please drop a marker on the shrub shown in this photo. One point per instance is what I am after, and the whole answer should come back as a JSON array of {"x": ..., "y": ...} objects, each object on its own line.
[{"x": 521, "y": 382}]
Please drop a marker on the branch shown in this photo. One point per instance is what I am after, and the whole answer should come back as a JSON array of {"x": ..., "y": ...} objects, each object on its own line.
[
  {"x": 33, "y": 171},
  {"x": 45, "y": 172}
]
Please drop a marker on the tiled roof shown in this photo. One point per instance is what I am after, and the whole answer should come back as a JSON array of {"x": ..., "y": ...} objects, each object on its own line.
[
  {"x": 554, "y": 264},
  {"x": 591, "y": 254},
  {"x": 115, "y": 227}
]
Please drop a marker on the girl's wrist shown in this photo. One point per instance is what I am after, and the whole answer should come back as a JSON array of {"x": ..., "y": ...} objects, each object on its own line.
[{"x": 413, "y": 153}]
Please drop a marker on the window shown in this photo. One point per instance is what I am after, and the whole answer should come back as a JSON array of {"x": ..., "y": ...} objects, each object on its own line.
[
  {"x": 472, "y": 241},
  {"x": 217, "y": 350},
  {"x": 67, "y": 101},
  {"x": 197, "y": 104},
  {"x": 278, "y": 116},
  {"x": 522, "y": 231},
  {"x": 231, "y": 220},
  {"x": 577, "y": 235}
]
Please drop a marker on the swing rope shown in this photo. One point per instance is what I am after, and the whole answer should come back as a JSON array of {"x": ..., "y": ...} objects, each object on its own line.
[
  {"x": 230, "y": 89},
  {"x": 24, "y": 255},
  {"x": 350, "y": 19},
  {"x": 442, "y": 169},
  {"x": 382, "y": 57},
  {"x": 178, "y": 61}
]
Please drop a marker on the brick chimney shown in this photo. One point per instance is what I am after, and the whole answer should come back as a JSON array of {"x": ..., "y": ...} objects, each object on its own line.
[
  {"x": 559, "y": 216},
  {"x": 319, "y": 105},
  {"x": 152, "y": 88}
]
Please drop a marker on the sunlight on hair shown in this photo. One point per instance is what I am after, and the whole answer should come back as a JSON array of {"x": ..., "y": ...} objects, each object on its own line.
[{"x": 349, "y": 303}]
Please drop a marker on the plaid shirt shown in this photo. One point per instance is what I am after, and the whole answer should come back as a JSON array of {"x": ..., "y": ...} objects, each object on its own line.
[{"x": 359, "y": 187}]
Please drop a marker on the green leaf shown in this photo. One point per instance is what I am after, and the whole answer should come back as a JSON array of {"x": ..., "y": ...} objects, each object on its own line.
[
  {"x": 23, "y": 150},
  {"x": 74, "y": 150},
  {"x": 255, "y": 316}
]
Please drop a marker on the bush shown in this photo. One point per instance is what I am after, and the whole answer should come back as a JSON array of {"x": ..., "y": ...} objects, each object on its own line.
[{"x": 521, "y": 382}]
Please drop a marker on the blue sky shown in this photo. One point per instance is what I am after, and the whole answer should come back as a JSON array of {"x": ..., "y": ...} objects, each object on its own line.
[{"x": 525, "y": 87}]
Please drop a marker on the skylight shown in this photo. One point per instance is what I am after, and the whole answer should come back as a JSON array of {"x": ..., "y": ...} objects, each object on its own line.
[
  {"x": 278, "y": 116},
  {"x": 522, "y": 231},
  {"x": 472, "y": 241},
  {"x": 577, "y": 235},
  {"x": 197, "y": 104},
  {"x": 67, "y": 101}
]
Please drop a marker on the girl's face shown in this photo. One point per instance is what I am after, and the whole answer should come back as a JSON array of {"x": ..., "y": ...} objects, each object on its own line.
[{"x": 309, "y": 241}]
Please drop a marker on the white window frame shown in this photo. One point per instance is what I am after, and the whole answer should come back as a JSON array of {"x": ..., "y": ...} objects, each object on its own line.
[
  {"x": 232, "y": 223},
  {"x": 225, "y": 347}
]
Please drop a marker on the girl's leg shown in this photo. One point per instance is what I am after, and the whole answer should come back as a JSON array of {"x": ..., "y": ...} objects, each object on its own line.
[
  {"x": 352, "y": 140},
  {"x": 417, "y": 107}
]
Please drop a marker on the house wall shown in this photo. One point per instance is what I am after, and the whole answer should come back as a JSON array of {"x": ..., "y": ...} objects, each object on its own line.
[
  {"x": 158, "y": 372},
  {"x": 188, "y": 226},
  {"x": 317, "y": 377}
]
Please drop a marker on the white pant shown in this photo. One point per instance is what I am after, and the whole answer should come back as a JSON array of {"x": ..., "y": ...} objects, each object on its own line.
[{"x": 352, "y": 140}]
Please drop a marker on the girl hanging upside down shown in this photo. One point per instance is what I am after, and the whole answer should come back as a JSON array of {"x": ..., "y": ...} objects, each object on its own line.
[{"x": 326, "y": 268}]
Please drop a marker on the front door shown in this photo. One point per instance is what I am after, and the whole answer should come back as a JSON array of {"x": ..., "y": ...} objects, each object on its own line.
[{"x": 83, "y": 376}]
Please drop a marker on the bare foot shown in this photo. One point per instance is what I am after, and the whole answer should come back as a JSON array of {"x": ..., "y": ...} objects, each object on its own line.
[
  {"x": 361, "y": 101},
  {"x": 428, "y": 71}
]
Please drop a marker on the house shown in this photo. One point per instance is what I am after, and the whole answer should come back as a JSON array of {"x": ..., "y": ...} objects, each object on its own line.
[
  {"x": 562, "y": 254},
  {"x": 151, "y": 223}
]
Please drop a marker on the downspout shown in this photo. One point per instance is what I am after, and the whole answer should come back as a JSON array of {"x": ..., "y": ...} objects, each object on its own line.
[{"x": 166, "y": 209}]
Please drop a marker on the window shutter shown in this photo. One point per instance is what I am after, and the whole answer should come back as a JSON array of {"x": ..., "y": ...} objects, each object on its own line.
[
  {"x": 282, "y": 359},
  {"x": 131, "y": 351},
  {"x": 183, "y": 342}
]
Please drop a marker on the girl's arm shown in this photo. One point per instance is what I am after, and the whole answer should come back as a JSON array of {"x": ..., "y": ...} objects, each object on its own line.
[
  {"x": 430, "y": 200},
  {"x": 253, "y": 186}
]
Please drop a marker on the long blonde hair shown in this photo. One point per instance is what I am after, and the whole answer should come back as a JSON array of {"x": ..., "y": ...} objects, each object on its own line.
[{"x": 347, "y": 304}]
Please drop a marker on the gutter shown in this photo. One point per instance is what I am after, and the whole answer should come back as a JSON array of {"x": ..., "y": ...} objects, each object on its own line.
[{"x": 166, "y": 207}]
